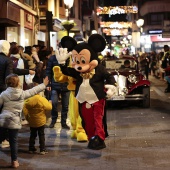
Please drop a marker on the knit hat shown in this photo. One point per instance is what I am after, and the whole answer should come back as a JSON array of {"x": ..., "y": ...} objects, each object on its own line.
[{"x": 4, "y": 47}]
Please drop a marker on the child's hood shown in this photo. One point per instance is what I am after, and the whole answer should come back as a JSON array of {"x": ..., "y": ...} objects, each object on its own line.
[{"x": 12, "y": 93}]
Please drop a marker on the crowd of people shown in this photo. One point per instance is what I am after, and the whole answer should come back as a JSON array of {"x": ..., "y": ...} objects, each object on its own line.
[{"x": 157, "y": 65}]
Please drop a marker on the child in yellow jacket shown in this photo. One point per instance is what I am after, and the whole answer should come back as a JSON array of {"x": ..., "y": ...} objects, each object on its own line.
[{"x": 35, "y": 113}]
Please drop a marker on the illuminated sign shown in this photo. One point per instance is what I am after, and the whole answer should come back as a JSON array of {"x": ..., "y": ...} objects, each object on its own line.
[
  {"x": 115, "y": 32},
  {"x": 155, "y": 31},
  {"x": 116, "y": 24},
  {"x": 117, "y": 10}
]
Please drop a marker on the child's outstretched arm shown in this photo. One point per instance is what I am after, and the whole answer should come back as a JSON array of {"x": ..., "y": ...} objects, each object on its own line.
[{"x": 36, "y": 89}]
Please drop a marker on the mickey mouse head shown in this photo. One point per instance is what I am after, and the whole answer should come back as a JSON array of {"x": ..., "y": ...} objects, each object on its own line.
[{"x": 84, "y": 55}]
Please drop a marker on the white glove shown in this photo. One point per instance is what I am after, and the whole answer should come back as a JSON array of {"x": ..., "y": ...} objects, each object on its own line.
[
  {"x": 28, "y": 78},
  {"x": 62, "y": 55},
  {"x": 111, "y": 90}
]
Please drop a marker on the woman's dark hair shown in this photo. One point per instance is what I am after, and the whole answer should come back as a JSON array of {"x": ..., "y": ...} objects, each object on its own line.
[
  {"x": 28, "y": 50},
  {"x": 14, "y": 50}
]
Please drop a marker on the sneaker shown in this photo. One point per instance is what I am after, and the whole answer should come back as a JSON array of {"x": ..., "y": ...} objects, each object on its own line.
[
  {"x": 32, "y": 151},
  {"x": 65, "y": 127},
  {"x": 43, "y": 152},
  {"x": 4, "y": 144}
]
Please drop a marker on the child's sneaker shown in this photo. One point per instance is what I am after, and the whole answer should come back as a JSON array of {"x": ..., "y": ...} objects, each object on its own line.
[
  {"x": 4, "y": 144},
  {"x": 34, "y": 150},
  {"x": 43, "y": 152}
]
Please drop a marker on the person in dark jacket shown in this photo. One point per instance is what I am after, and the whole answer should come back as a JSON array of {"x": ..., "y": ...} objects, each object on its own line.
[
  {"x": 57, "y": 90},
  {"x": 166, "y": 65},
  {"x": 6, "y": 68}
]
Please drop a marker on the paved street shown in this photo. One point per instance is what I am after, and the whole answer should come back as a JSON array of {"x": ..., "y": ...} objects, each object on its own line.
[{"x": 139, "y": 139}]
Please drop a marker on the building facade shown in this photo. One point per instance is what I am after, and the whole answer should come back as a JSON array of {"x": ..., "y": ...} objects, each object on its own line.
[
  {"x": 17, "y": 21},
  {"x": 156, "y": 28}
]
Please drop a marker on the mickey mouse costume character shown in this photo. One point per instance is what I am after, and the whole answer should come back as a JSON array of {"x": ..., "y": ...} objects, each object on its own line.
[{"x": 92, "y": 82}]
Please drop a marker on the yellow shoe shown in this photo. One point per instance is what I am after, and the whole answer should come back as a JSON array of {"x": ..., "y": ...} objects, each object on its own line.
[{"x": 82, "y": 137}]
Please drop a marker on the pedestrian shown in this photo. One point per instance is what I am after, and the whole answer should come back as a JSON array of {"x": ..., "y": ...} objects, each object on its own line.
[
  {"x": 17, "y": 61},
  {"x": 166, "y": 65},
  {"x": 28, "y": 64},
  {"x": 57, "y": 90},
  {"x": 38, "y": 78},
  {"x": 161, "y": 70},
  {"x": 12, "y": 100},
  {"x": 144, "y": 65},
  {"x": 6, "y": 68},
  {"x": 35, "y": 112},
  {"x": 154, "y": 67}
]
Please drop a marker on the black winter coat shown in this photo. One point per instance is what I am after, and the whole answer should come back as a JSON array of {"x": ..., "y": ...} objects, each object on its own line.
[{"x": 6, "y": 68}]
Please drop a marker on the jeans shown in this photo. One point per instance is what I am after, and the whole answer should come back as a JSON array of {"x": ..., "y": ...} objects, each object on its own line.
[
  {"x": 64, "y": 105},
  {"x": 13, "y": 141},
  {"x": 167, "y": 78},
  {"x": 3, "y": 134},
  {"x": 33, "y": 135}
]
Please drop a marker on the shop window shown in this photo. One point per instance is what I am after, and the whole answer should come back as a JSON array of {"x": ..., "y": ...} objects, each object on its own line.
[
  {"x": 12, "y": 34},
  {"x": 156, "y": 19},
  {"x": 28, "y": 2}
]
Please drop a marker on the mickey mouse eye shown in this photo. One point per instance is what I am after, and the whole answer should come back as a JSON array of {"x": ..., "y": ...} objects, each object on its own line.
[
  {"x": 77, "y": 61},
  {"x": 83, "y": 60}
]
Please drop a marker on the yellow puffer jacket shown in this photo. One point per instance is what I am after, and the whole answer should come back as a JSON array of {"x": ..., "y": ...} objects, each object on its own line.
[{"x": 35, "y": 110}]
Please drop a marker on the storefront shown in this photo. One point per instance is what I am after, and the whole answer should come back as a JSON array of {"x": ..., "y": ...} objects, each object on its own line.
[
  {"x": 154, "y": 41},
  {"x": 17, "y": 23}
]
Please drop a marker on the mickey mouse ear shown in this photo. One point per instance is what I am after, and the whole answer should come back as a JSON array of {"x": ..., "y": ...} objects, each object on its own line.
[
  {"x": 97, "y": 42},
  {"x": 68, "y": 42}
]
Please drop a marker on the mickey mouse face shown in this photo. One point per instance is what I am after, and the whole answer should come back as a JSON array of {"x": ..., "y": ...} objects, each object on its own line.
[{"x": 81, "y": 60}]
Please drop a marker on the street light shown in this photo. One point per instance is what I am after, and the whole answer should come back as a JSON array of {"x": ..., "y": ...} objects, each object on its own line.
[
  {"x": 68, "y": 26},
  {"x": 140, "y": 23},
  {"x": 69, "y": 4}
]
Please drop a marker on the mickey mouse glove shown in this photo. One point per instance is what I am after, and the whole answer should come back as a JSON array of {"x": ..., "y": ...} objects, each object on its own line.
[
  {"x": 111, "y": 91},
  {"x": 62, "y": 55}
]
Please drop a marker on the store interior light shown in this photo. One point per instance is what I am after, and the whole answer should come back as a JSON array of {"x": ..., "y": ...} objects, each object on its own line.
[
  {"x": 69, "y": 3},
  {"x": 140, "y": 22}
]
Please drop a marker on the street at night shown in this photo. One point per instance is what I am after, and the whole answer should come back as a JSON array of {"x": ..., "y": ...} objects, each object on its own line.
[{"x": 138, "y": 139}]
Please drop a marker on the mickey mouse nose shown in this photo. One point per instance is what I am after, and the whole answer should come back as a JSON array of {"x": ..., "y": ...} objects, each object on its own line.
[{"x": 79, "y": 68}]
